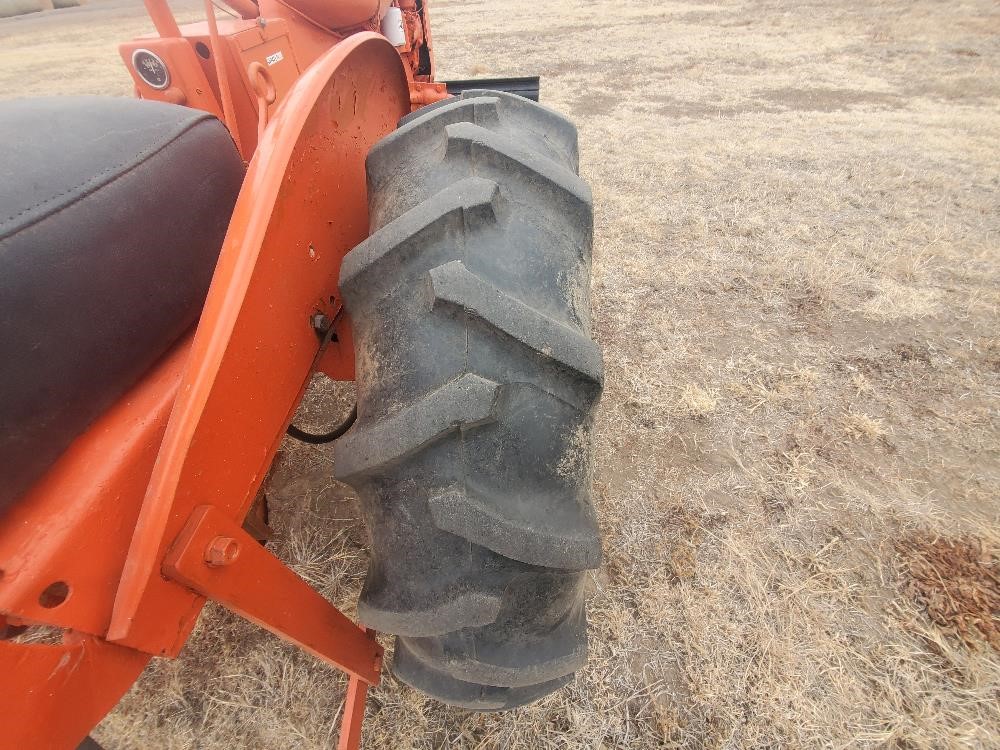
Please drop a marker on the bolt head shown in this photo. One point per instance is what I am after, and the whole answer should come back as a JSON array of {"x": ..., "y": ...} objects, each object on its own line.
[
  {"x": 320, "y": 322},
  {"x": 222, "y": 551}
]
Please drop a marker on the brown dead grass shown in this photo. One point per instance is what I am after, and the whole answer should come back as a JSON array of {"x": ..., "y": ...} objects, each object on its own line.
[
  {"x": 957, "y": 583},
  {"x": 796, "y": 287}
]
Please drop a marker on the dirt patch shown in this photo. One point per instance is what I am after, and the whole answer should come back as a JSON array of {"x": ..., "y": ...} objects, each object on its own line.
[
  {"x": 670, "y": 106},
  {"x": 830, "y": 100},
  {"x": 601, "y": 103},
  {"x": 957, "y": 583},
  {"x": 957, "y": 88}
]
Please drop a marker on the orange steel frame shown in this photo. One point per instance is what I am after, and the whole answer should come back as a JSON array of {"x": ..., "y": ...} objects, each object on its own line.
[{"x": 139, "y": 522}]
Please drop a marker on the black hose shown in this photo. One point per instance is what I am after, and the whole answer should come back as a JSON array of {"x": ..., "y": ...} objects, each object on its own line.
[{"x": 326, "y": 437}]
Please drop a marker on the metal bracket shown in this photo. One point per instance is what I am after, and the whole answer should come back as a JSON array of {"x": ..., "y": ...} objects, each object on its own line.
[
  {"x": 213, "y": 556},
  {"x": 216, "y": 558}
]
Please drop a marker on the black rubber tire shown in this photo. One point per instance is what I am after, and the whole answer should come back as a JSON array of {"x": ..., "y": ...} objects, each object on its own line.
[{"x": 476, "y": 383}]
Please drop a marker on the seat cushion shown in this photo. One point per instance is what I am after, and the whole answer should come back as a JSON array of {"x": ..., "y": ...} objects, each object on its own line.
[{"x": 112, "y": 215}]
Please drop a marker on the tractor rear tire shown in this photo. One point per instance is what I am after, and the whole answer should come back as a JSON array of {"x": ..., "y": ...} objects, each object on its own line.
[{"x": 477, "y": 381}]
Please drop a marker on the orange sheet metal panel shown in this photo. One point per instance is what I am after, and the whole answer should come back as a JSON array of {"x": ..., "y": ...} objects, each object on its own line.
[
  {"x": 245, "y": 43},
  {"x": 75, "y": 525},
  {"x": 275, "y": 54},
  {"x": 302, "y": 207},
  {"x": 53, "y": 695},
  {"x": 309, "y": 40},
  {"x": 196, "y": 33}
]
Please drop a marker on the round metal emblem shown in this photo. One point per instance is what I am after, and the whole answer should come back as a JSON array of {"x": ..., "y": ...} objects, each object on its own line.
[{"x": 151, "y": 68}]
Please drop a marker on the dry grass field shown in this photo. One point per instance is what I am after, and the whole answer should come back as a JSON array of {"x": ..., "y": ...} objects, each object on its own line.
[{"x": 796, "y": 287}]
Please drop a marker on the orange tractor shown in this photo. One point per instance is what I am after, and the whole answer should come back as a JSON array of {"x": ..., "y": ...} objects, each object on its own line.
[{"x": 292, "y": 193}]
